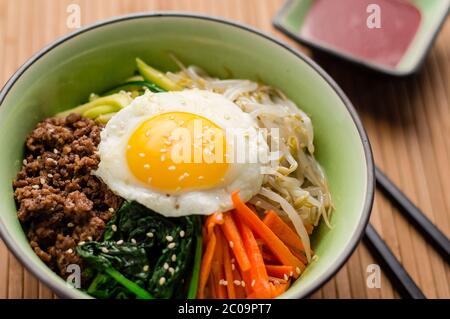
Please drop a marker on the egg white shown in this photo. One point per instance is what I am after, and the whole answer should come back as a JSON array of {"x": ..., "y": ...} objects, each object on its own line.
[{"x": 113, "y": 168}]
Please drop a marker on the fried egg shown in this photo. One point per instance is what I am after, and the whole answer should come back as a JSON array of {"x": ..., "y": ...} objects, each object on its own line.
[{"x": 175, "y": 153}]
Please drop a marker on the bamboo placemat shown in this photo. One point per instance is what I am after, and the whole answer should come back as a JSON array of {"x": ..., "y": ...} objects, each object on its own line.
[{"x": 408, "y": 122}]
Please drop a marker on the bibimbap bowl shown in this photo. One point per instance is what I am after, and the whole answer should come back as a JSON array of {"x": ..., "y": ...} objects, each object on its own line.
[{"x": 99, "y": 56}]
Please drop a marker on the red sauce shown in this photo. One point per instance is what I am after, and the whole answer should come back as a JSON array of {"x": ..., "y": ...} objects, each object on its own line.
[{"x": 342, "y": 25}]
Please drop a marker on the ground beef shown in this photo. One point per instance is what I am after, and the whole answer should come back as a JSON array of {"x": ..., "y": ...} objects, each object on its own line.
[{"x": 60, "y": 202}]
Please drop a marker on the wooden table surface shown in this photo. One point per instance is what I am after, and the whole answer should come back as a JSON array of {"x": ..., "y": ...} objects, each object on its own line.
[{"x": 408, "y": 122}]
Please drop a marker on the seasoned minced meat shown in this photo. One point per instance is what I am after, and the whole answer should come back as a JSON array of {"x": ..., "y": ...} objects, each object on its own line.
[{"x": 60, "y": 202}]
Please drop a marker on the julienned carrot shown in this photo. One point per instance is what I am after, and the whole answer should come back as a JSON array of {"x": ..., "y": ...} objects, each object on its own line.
[
  {"x": 287, "y": 235},
  {"x": 269, "y": 257},
  {"x": 213, "y": 220},
  {"x": 301, "y": 256},
  {"x": 235, "y": 242},
  {"x": 283, "y": 231},
  {"x": 275, "y": 290},
  {"x": 247, "y": 279},
  {"x": 258, "y": 280},
  {"x": 211, "y": 288},
  {"x": 240, "y": 291},
  {"x": 228, "y": 270},
  {"x": 280, "y": 271},
  {"x": 278, "y": 248},
  {"x": 308, "y": 226},
  {"x": 217, "y": 271},
  {"x": 278, "y": 289},
  {"x": 206, "y": 265}
]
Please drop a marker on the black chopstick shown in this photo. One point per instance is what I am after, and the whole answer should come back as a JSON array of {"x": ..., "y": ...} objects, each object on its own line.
[
  {"x": 435, "y": 237},
  {"x": 404, "y": 283}
]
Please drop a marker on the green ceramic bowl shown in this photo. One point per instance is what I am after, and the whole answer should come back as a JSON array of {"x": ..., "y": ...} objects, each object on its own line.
[{"x": 101, "y": 55}]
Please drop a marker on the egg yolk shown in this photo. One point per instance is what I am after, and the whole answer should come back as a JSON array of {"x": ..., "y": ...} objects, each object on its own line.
[{"x": 178, "y": 151}]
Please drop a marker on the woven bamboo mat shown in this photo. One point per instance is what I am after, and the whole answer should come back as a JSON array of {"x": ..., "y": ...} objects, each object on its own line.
[{"x": 408, "y": 122}]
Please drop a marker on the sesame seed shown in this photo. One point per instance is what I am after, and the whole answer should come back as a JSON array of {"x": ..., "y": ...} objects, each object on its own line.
[
  {"x": 146, "y": 166},
  {"x": 24, "y": 162},
  {"x": 70, "y": 225},
  {"x": 174, "y": 258},
  {"x": 162, "y": 280},
  {"x": 171, "y": 270},
  {"x": 231, "y": 244},
  {"x": 223, "y": 282},
  {"x": 253, "y": 282},
  {"x": 258, "y": 202},
  {"x": 111, "y": 210},
  {"x": 50, "y": 175},
  {"x": 285, "y": 277},
  {"x": 69, "y": 251},
  {"x": 105, "y": 250},
  {"x": 171, "y": 168},
  {"x": 81, "y": 243},
  {"x": 55, "y": 151},
  {"x": 276, "y": 282},
  {"x": 243, "y": 283},
  {"x": 297, "y": 270},
  {"x": 291, "y": 274},
  {"x": 119, "y": 242},
  {"x": 141, "y": 154},
  {"x": 163, "y": 158},
  {"x": 233, "y": 267},
  {"x": 133, "y": 240},
  {"x": 171, "y": 245},
  {"x": 150, "y": 234},
  {"x": 183, "y": 176},
  {"x": 166, "y": 266},
  {"x": 182, "y": 233},
  {"x": 163, "y": 150},
  {"x": 114, "y": 228},
  {"x": 146, "y": 268},
  {"x": 89, "y": 238},
  {"x": 237, "y": 282},
  {"x": 201, "y": 177},
  {"x": 169, "y": 238},
  {"x": 35, "y": 186}
]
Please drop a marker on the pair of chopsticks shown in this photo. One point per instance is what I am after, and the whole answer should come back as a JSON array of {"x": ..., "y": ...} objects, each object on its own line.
[{"x": 402, "y": 280}]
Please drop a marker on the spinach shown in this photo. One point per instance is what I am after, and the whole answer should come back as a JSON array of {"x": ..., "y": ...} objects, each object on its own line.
[{"x": 143, "y": 251}]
